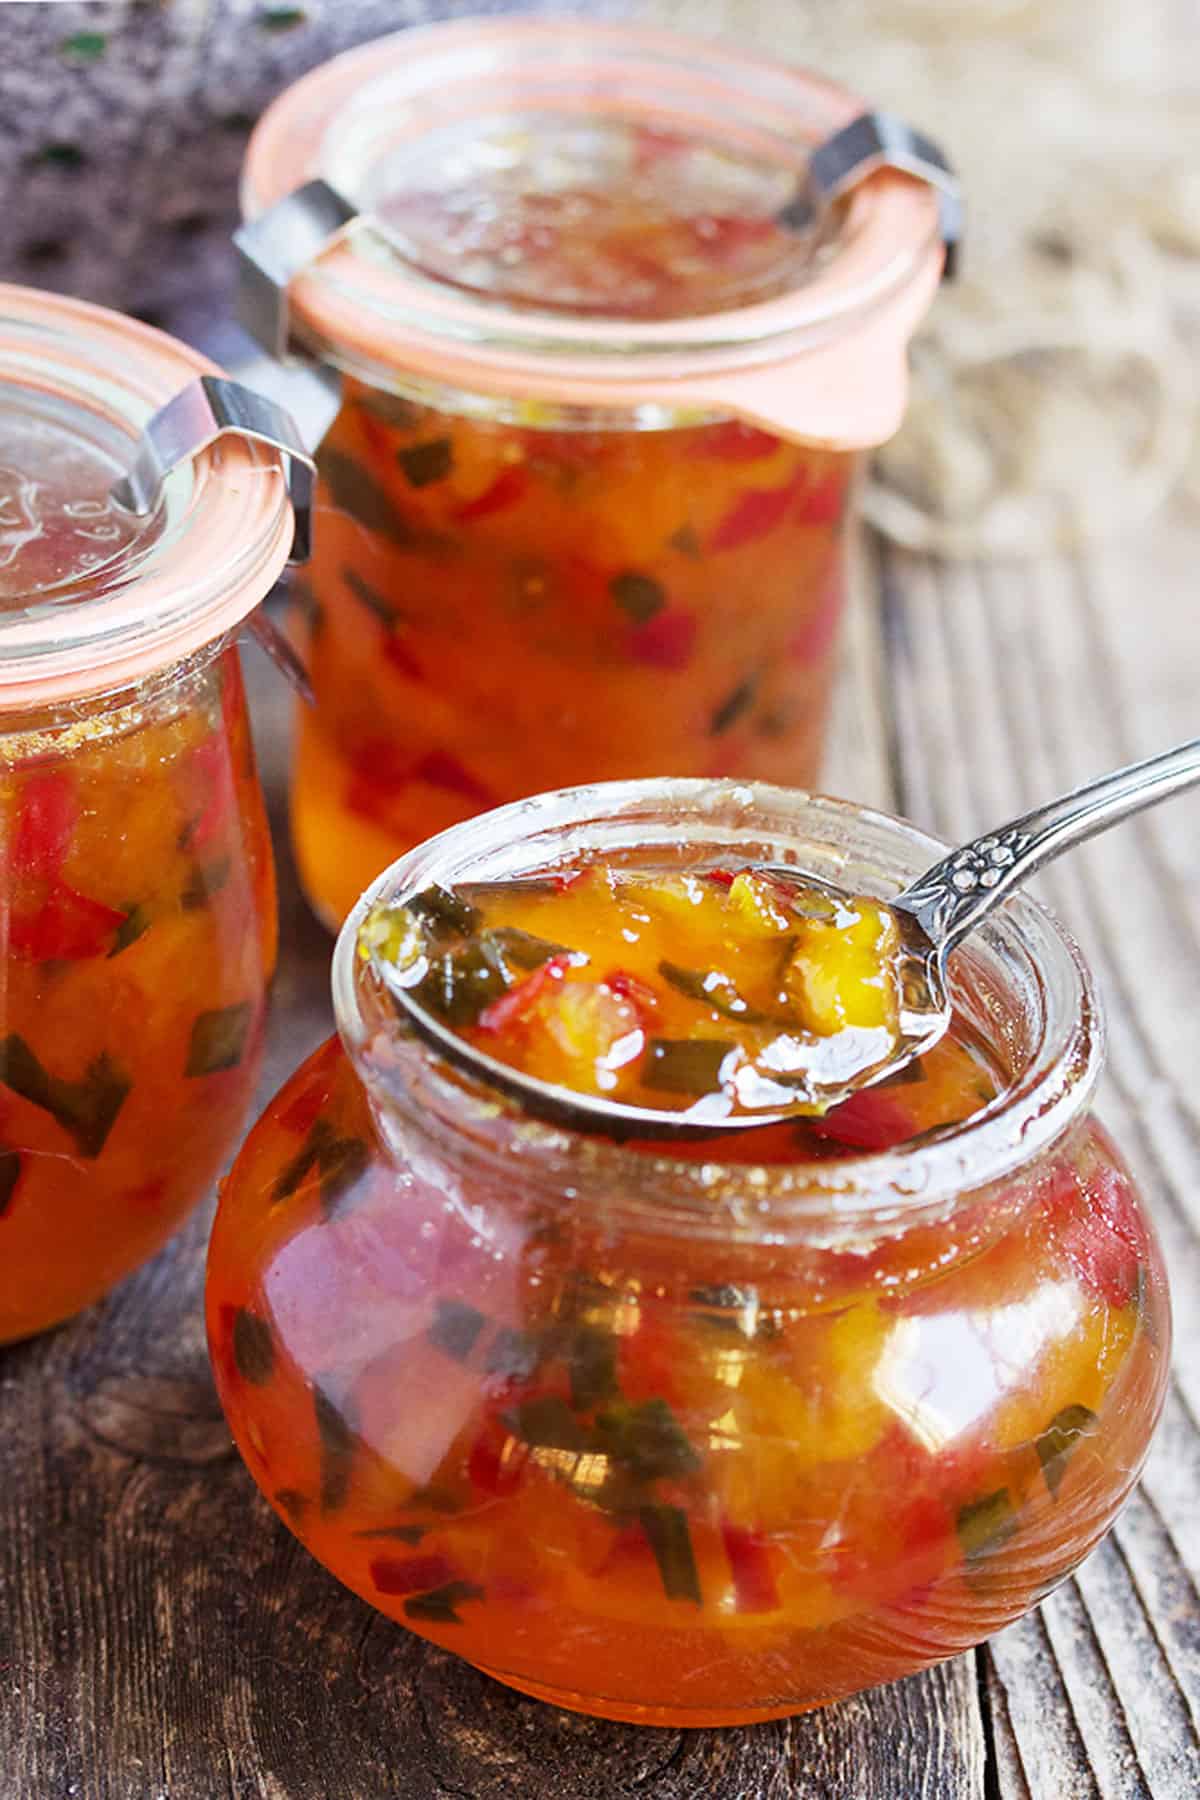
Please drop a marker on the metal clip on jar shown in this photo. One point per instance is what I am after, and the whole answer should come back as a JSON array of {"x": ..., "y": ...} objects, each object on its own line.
[
  {"x": 139, "y": 527},
  {"x": 674, "y": 1437},
  {"x": 613, "y": 314}
]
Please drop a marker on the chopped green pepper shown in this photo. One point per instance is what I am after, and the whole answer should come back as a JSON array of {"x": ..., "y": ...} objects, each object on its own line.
[
  {"x": 218, "y": 1040},
  {"x": 339, "y": 1441},
  {"x": 985, "y": 1525},
  {"x": 1057, "y": 1443},
  {"x": 666, "y": 1530},
  {"x": 438, "y": 1607},
  {"x": 711, "y": 989},
  {"x": 685, "y": 1065},
  {"x": 423, "y": 464},
  {"x": 253, "y": 1347},
  {"x": 455, "y": 1328},
  {"x": 86, "y": 1109},
  {"x": 640, "y": 596},
  {"x": 733, "y": 706}
]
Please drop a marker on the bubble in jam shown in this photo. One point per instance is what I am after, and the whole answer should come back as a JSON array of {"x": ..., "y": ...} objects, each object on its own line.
[{"x": 720, "y": 992}]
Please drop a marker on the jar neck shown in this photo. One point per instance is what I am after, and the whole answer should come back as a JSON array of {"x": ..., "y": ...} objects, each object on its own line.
[
  {"x": 38, "y": 731},
  {"x": 1020, "y": 985}
]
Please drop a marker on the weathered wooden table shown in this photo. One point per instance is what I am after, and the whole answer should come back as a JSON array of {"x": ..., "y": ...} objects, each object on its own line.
[{"x": 162, "y": 1637}]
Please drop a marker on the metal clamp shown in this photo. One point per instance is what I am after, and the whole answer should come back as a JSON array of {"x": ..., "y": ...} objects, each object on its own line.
[
  {"x": 290, "y": 235},
  {"x": 879, "y": 140},
  {"x": 276, "y": 246},
  {"x": 209, "y": 408}
]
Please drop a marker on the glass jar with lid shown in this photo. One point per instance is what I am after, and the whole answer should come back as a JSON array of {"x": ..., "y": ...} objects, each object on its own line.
[
  {"x": 611, "y": 316},
  {"x": 687, "y": 1435},
  {"x": 137, "y": 900}
]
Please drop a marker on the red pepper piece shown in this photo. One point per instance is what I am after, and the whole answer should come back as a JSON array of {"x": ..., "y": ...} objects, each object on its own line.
[
  {"x": 652, "y": 144},
  {"x": 397, "y": 653},
  {"x": 733, "y": 441},
  {"x": 724, "y": 878},
  {"x": 67, "y": 927},
  {"x": 488, "y": 1469},
  {"x": 512, "y": 1008},
  {"x": 441, "y": 770},
  {"x": 750, "y": 1565},
  {"x": 305, "y": 1109},
  {"x": 721, "y": 236},
  {"x": 755, "y": 513},
  {"x": 822, "y": 503},
  {"x": 1103, "y": 1235},
  {"x": 664, "y": 642},
  {"x": 411, "y": 1574},
  {"x": 639, "y": 993},
  {"x": 211, "y": 758},
  {"x": 867, "y": 1121},
  {"x": 49, "y": 810},
  {"x": 508, "y": 489}
]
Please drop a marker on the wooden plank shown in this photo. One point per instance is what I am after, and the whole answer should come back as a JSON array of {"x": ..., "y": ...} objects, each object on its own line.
[{"x": 1011, "y": 683}]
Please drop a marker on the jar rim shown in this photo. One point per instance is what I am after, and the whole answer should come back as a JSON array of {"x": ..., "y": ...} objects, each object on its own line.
[
  {"x": 219, "y": 537},
  {"x": 1022, "y": 944},
  {"x": 379, "y": 312}
]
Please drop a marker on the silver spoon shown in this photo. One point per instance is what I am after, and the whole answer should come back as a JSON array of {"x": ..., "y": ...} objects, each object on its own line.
[{"x": 934, "y": 914}]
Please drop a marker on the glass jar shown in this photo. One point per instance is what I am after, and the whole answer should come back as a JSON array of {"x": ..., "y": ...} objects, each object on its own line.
[
  {"x": 604, "y": 378},
  {"x": 137, "y": 900},
  {"x": 675, "y": 1440}
]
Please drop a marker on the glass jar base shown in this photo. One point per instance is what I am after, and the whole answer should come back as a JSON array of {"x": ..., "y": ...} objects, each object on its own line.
[{"x": 624, "y": 1712}]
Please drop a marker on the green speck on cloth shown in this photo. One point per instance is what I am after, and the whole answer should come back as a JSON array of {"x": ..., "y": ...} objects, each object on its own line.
[
  {"x": 281, "y": 18},
  {"x": 84, "y": 46}
]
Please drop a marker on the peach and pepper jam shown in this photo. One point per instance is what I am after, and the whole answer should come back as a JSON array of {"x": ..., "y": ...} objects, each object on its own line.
[
  {"x": 641, "y": 1468},
  {"x": 731, "y": 990},
  {"x": 137, "y": 925},
  {"x": 505, "y": 597}
]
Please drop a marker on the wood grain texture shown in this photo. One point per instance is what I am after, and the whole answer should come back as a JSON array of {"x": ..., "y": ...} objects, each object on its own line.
[{"x": 1010, "y": 684}]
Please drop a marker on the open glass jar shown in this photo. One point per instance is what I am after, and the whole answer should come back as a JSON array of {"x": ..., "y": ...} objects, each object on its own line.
[
  {"x": 606, "y": 366},
  {"x": 137, "y": 901},
  {"x": 673, "y": 1439}
]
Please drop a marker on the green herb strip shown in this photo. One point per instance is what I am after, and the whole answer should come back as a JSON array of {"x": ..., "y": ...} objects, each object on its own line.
[
  {"x": 135, "y": 925},
  {"x": 206, "y": 879},
  {"x": 711, "y": 989},
  {"x": 340, "y": 1162},
  {"x": 986, "y": 1525},
  {"x": 253, "y": 1348},
  {"x": 591, "y": 1357},
  {"x": 439, "y": 1606},
  {"x": 666, "y": 1529},
  {"x": 356, "y": 492},
  {"x": 455, "y": 1329},
  {"x": 461, "y": 983},
  {"x": 339, "y": 1441},
  {"x": 686, "y": 541},
  {"x": 369, "y": 596},
  {"x": 404, "y": 1534},
  {"x": 403, "y": 415},
  {"x": 638, "y": 596},
  {"x": 1056, "y": 1444},
  {"x": 547, "y": 1423},
  {"x": 423, "y": 464},
  {"x": 528, "y": 951},
  {"x": 689, "y": 1066},
  {"x": 86, "y": 1109},
  {"x": 646, "y": 1439},
  {"x": 734, "y": 706},
  {"x": 218, "y": 1040},
  {"x": 10, "y": 1174},
  {"x": 443, "y": 910}
]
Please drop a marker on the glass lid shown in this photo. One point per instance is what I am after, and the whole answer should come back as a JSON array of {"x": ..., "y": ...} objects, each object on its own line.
[
  {"x": 93, "y": 597},
  {"x": 544, "y": 206}
]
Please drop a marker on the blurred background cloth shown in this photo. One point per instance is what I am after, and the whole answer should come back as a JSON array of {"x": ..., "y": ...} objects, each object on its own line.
[{"x": 1055, "y": 389}]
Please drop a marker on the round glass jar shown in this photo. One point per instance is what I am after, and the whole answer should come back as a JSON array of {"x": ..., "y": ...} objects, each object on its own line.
[
  {"x": 137, "y": 899},
  {"x": 676, "y": 1440},
  {"x": 605, "y": 378}
]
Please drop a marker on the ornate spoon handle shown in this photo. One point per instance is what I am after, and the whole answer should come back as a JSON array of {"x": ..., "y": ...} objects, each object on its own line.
[{"x": 951, "y": 898}]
